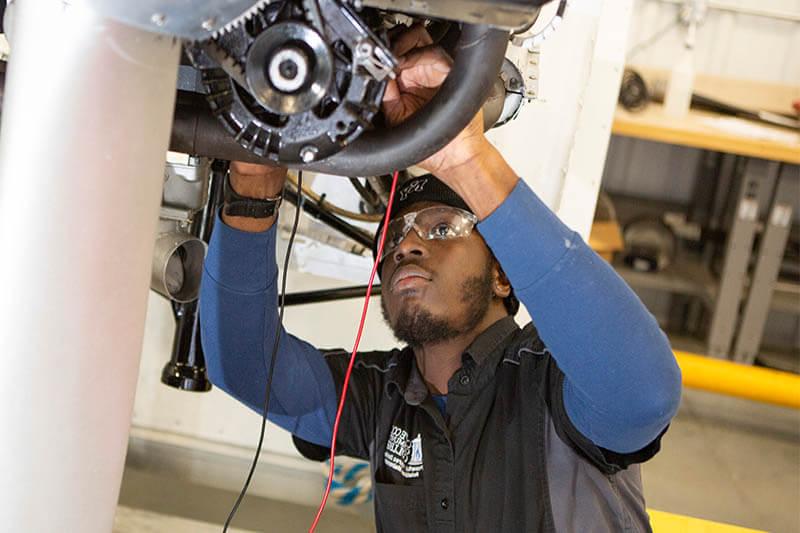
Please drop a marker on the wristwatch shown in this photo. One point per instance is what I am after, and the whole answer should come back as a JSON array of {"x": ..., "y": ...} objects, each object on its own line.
[{"x": 241, "y": 206}]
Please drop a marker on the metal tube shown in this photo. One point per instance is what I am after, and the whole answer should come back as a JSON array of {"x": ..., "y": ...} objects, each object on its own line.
[
  {"x": 330, "y": 295},
  {"x": 744, "y": 381},
  {"x": 85, "y": 128},
  {"x": 186, "y": 369},
  {"x": 348, "y": 230}
]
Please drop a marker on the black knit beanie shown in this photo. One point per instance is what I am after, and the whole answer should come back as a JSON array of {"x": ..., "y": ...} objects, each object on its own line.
[{"x": 428, "y": 188}]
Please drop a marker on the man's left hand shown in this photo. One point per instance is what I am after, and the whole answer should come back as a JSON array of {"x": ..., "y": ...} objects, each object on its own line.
[
  {"x": 469, "y": 164},
  {"x": 422, "y": 69}
]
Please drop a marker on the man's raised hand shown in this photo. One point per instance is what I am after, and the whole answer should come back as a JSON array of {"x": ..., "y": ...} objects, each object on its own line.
[{"x": 422, "y": 69}]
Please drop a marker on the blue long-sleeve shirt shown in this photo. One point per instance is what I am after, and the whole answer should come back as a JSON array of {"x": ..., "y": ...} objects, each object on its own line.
[{"x": 622, "y": 383}]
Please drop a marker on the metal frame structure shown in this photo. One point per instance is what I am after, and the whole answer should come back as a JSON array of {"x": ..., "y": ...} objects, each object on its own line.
[
  {"x": 758, "y": 177},
  {"x": 770, "y": 256}
]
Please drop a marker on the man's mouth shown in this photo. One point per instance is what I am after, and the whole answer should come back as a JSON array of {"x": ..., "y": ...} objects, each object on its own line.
[{"x": 409, "y": 276}]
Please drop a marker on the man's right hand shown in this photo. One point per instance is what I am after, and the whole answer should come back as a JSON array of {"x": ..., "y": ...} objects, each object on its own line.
[{"x": 254, "y": 181}]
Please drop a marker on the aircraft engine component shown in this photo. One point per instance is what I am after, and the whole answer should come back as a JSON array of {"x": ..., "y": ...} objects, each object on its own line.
[{"x": 292, "y": 86}]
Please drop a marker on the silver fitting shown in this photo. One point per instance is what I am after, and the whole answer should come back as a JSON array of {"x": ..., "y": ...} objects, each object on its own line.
[{"x": 308, "y": 153}]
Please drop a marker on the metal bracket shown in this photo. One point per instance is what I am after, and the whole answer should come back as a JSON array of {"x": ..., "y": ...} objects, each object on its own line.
[
  {"x": 369, "y": 51},
  {"x": 770, "y": 256},
  {"x": 527, "y": 63},
  {"x": 758, "y": 175}
]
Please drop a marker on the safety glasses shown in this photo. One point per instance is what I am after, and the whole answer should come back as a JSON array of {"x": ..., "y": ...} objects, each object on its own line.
[{"x": 431, "y": 223}]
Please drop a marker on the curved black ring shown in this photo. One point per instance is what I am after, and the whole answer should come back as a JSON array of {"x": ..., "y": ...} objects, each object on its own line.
[{"x": 478, "y": 57}]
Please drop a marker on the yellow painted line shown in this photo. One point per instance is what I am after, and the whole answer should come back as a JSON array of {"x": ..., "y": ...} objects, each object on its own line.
[
  {"x": 734, "y": 379},
  {"x": 671, "y": 523}
]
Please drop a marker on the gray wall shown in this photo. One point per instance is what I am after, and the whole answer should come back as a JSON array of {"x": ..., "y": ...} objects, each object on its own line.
[{"x": 728, "y": 44}]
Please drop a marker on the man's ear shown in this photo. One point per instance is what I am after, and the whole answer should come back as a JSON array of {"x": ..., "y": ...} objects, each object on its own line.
[{"x": 500, "y": 284}]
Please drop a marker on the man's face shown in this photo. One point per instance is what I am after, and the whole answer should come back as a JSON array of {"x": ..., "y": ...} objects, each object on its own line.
[{"x": 438, "y": 289}]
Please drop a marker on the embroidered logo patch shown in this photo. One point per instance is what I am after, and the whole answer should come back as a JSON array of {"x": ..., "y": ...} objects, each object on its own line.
[
  {"x": 412, "y": 187},
  {"x": 403, "y": 454}
]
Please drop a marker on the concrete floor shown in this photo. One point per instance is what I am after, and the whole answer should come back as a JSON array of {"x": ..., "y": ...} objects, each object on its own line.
[
  {"x": 723, "y": 459},
  {"x": 729, "y": 460}
]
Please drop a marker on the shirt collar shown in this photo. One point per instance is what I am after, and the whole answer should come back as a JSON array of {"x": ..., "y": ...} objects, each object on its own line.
[
  {"x": 492, "y": 340},
  {"x": 488, "y": 346}
]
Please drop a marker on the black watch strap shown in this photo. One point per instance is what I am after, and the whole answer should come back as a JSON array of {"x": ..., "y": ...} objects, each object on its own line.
[{"x": 241, "y": 206}]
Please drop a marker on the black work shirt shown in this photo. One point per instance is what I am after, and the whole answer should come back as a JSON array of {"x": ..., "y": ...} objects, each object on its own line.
[{"x": 504, "y": 456}]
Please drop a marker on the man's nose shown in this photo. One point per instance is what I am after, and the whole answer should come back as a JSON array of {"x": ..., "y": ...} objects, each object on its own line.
[{"x": 410, "y": 245}]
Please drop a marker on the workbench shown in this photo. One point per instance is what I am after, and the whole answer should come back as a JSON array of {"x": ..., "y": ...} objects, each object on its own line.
[{"x": 772, "y": 158}]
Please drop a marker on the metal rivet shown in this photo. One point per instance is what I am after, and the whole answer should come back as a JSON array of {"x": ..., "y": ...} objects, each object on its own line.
[
  {"x": 208, "y": 24},
  {"x": 464, "y": 379}
]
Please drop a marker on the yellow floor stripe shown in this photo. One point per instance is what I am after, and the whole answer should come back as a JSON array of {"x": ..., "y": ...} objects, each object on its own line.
[{"x": 672, "y": 523}]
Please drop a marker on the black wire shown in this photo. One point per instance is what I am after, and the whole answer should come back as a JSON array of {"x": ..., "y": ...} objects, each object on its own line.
[{"x": 271, "y": 371}]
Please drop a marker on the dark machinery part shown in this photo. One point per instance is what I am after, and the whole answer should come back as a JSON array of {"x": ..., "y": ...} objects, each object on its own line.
[
  {"x": 186, "y": 369},
  {"x": 633, "y": 94},
  {"x": 292, "y": 90},
  {"x": 650, "y": 244},
  {"x": 478, "y": 56}
]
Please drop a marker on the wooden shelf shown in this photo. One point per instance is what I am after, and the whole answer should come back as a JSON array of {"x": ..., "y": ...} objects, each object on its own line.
[{"x": 710, "y": 131}]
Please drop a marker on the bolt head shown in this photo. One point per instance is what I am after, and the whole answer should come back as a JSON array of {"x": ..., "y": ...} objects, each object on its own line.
[
  {"x": 364, "y": 49},
  {"x": 308, "y": 153}
]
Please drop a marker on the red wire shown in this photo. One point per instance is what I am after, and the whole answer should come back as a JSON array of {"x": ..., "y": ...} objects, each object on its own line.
[{"x": 353, "y": 355}]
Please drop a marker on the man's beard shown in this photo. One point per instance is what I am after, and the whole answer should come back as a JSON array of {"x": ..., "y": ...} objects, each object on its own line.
[{"x": 417, "y": 326}]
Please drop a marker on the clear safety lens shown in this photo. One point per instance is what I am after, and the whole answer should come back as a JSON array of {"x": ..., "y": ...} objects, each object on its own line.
[{"x": 438, "y": 222}]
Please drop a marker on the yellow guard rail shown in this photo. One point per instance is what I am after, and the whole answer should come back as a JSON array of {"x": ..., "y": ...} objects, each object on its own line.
[{"x": 744, "y": 381}]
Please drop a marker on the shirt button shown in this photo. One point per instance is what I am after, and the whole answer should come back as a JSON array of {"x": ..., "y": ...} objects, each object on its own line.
[
  {"x": 465, "y": 379},
  {"x": 445, "y": 503}
]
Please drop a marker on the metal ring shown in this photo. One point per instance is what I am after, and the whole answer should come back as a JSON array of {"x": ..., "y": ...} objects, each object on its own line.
[{"x": 274, "y": 41}]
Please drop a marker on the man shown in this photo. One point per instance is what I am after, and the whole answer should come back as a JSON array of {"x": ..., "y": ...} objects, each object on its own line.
[{"x": 476, "y": 425}]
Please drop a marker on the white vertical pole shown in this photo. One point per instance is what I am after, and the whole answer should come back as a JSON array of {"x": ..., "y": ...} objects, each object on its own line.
[
  {"x": 85, "y": 126},
  {"x": 581, "y": 186}
]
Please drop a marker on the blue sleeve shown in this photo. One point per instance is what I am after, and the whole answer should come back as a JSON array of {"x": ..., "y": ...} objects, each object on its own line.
[
  {"x": 238, "y": 319},
  {"x": 622, "y": 383}
]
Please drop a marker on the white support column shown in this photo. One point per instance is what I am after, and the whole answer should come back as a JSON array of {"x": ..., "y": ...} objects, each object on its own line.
[
  {"x": 578, "y": 197},
  {"x": 85, "y": 126}
]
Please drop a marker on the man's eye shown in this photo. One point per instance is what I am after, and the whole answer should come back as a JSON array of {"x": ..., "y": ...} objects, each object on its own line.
[{"x": 442, "y": 231}]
